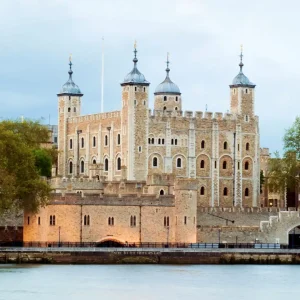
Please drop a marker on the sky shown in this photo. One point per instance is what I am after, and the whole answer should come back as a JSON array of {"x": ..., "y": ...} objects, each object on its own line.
[{"x": 203, "y": 38}]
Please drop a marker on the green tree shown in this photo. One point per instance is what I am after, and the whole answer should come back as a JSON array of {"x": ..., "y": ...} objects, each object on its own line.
[
  {"x": 292, "y": 138},
  {"x": 22, "y": 162}
]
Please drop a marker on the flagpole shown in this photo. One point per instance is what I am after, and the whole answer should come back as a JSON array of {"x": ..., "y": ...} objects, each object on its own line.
[{"x": 102, "y": 76}]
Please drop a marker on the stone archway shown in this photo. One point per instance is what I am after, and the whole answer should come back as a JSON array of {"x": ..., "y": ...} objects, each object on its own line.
[
  {"x": 110, "y": 242},
  {"x": 277, "y": 229}
]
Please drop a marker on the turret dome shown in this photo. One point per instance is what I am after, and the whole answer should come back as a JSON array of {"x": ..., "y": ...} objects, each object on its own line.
[
  {"x": 241, "y": 79},
  {"x": 70, "y": 88},
  {"x": 167, "y": 86},
  {"x": 135, "y": 77}
]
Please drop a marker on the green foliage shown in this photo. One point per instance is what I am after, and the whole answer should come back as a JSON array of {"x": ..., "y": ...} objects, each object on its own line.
[
  {"x": 22, "y": 162},
  {"x": 261, "y": 180},
  {"x": 292, "y": 138}
]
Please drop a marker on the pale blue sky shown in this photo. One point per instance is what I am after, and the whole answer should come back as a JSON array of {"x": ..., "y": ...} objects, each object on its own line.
[{"x": 202, "y": 36}]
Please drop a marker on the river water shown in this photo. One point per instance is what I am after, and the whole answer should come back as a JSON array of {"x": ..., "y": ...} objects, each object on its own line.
[{"x": 208, "y": 282}]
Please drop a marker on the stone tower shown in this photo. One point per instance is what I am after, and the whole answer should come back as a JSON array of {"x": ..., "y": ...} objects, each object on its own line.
[
  {"x": 134, "y": 119},
  {"x": 69, "y": 105},
  {"x": 242, "y": 94},
  {"x": 167, "y": 95}
]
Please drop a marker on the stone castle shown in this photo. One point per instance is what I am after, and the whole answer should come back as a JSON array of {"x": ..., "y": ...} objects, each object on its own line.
[{"x": 137, "y": 175}]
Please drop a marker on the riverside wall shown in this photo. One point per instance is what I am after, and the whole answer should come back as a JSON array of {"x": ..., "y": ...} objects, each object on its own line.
[{"x": 153, "y": 256}]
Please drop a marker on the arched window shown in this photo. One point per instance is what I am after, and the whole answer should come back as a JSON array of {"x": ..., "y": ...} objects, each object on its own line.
[
  {"x": 82, "y": 142},
  {"x": 82, "y": 166},
  {"x": 165, "y": 108},
  {"x": 246, "y": 165},
  {"x": 70, "y": 167},
  {"x": 154, "y": 162},
  {"x": 69, "y": 109},
  {"x": 71, "y": 144},
  {"x": 119, "y": 163},
  {"x": 175, "y": 142},
  {"x": 119, "y": 139},
  {"x": 246, "y": 192},
  {"x": 247, "y": 146},
  {"x": 152, "y": 141},
  {"x": 165, "y": 98},
  {"x": 225, "y": 191},
  {"x": 112, "y": 221},
  {"x": 202, "y": 164},
  {"x": 176, "y": 98},
  {"x": 176, "y": 108},
  {"x": 225, "y": 145},
  {"x": 106, "y": 164},
  {"x": 179, "y": 163},
  {"x": 159, "y": 140},
  {"x": 106, "y": 140},
  {"x": 202, "y": 144},
  {"x": 94, "y": 141},
  {"x": 172, "y": 141},
  {"x": 74, "y": 109},
  {"x": 246, "y": 91},
  {"x": 149, "y": 141},
  {"x": 163, "y": 141},
  {"x": 109, "y": 221},
  {"x": 225, "y": 165},
  {"x": 162, "y": 192},
  {"x": 94, "y": 161},
  {"x": 202, "y": 190}
]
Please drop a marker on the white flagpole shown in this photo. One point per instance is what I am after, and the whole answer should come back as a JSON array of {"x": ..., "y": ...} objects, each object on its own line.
[{"x": 102, "y": 76}]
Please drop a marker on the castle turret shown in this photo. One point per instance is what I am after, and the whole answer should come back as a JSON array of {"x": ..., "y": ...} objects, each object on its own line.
[
  {"x": 69, "y": 105},
  {"x": 135, "y": 123},
  {"x": 167, "y": 95},
  {"x": 242, "y": 94}
]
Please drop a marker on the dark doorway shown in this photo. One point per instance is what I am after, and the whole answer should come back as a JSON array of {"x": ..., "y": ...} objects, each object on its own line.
[
  {"x": 109, "y": 243},
  {"x": 294, "y": 238}
]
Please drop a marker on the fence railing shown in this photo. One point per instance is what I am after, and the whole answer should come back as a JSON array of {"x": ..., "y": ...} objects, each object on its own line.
[{"x": 146, "y": 245}]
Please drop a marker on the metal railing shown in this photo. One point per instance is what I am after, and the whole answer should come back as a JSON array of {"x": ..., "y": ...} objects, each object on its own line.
[{"x": 146, "y": 245}]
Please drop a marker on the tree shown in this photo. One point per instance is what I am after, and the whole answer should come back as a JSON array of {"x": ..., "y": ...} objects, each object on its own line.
[
  {"x": 22, "y": 162},
  {"x": 292, "y": 138}
]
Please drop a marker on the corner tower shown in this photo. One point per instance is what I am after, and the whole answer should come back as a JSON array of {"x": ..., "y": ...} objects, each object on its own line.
[
  {"x": 135, "y": 122},
  {"x": 69, "y": 105},
  {"x": 242, "y": 93},
  {"x": 167, "y": 95}
]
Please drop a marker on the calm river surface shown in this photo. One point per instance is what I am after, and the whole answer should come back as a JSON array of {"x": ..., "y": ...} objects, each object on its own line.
[{"x": 43, "y": 282}]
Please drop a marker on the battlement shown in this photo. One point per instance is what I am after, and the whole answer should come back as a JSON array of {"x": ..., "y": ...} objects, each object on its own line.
[
  {"x": 264, "y": 151},
  {"x": 112, "y": 200},
  {"x": 191, "y": 115},
  {"x": 235, "y": 209},
  {"x": 95, "y": 117}
]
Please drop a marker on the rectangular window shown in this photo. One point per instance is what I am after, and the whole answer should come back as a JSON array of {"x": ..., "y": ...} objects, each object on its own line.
[
  {"x": 39, "y": 220},
  {"x": 140, "y": 149},
  {"x": 28, "y": 220},
  {"x": 185, "y": 220},
  {"x": 119, "y": 139}
]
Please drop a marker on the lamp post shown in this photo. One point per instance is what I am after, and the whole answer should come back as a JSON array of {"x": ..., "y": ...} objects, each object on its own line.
[
  {"x": 78, "y": 164},
  {"x": 58, "y": 236}
]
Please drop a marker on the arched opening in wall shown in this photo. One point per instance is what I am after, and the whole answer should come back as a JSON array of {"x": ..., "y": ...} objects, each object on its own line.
[
  {"x": 246, "y": 192},
  {"x": 154, "y": 162},
  {"x": 175, "y": 141},
  {"x": 162, "y": 192},
  {"x": 69, "y": 109},
  {"x": 152, "y": 141},
  {"x": 165, "y": 98},
  {"x": 70, "y": 167},
  {"x": 225, "y": 145},
  {"x": 97, "y": 177},
  {"x": 106, "y": 164},
  {"x": 94, "y": 161},
  {"x": 82, "y": 166},
  {"x": 202, "y": 144},
  {"x": 165, "y": 108},
  {"x": 294, "y": 237},
  {"x": 202, "y": 164},
  {"x": 246, "y": 91},
  {"x": 176, "y": 108},
  {"x": 119, "y": 163},
  {"x": 172, "y": 141},
  {"x": 179, "y": 162},
  {"x": 163, "y": 141},
  {"x": 247, "y": 146},
  {"x": 202, "y": 190},
  {"x": 110, "y": 243},
  {"x": 176, "y": 99},
  {"x": 225, "y": 191},
  {"x": 159, "y": 141},
  {"x": 224, "y": 165},
  {"x": 246, "y": 165}
]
